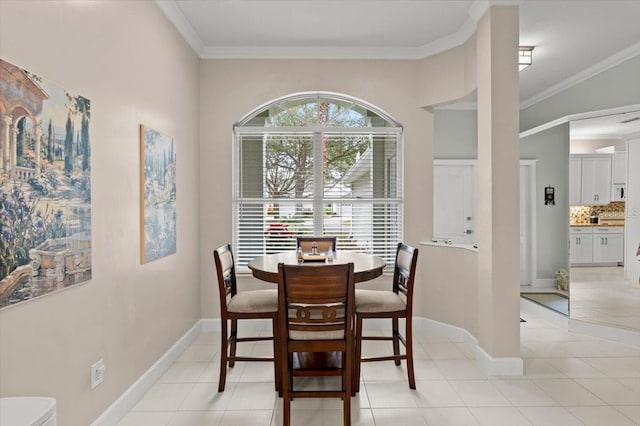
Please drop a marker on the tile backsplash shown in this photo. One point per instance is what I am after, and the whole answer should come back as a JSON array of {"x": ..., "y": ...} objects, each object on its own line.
[{"x": 580, "y": 214}]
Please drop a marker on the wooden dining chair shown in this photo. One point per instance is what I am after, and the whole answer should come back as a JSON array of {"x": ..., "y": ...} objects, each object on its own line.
[
  {"x": 317, "y": 306},
  {"x": 234, "y": 306},
  {"x": 323, "y": 243},
  {"x": 394, "y": 304}
]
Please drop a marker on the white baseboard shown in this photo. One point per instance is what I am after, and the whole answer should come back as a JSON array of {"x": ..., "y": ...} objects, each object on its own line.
[
  {"x": 124, "y": 404},
  {"x": 501, "y": 366},
  {"x": 121, "y": 406}
]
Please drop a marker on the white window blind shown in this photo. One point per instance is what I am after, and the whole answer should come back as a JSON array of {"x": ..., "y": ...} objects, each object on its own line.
[{"x": 336, "y": 182}]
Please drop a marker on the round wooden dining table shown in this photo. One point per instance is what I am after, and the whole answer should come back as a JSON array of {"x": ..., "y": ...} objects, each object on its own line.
[{"x": 366, "y": 267}]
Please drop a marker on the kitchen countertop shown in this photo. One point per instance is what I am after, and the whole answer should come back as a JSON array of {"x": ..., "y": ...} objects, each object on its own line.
[{"x": 594, "y": 225}]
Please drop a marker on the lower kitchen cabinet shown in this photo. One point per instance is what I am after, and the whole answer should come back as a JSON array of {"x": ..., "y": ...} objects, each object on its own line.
[
  {"x": 608, "y": 245},
  {"x": 581, "y": 245},
  {"x": 596, "y": 245}
]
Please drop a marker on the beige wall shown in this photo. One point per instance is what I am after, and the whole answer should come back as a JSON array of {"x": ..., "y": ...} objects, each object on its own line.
[
  {"x": 449, "y": 290},
  {"x": 449, "y": 76},
  {"x": 232, "y": 88},
  {"x": 127, "y": 59}
]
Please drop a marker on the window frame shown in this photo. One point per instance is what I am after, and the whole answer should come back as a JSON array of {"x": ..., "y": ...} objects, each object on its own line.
[{"x": 318, "y": 200}]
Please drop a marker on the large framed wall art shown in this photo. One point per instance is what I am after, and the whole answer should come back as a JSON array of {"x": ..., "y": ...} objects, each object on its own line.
[
  {"x": 158, "y": 195},
  {"x": 45, "y": 186}
]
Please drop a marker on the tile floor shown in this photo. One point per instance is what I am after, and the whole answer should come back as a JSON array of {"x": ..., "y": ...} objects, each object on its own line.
[
  {"x": 570, "y": 379},
  {"x": 603, "y": 295}
]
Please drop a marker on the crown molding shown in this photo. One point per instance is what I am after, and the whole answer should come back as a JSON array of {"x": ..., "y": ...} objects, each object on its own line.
[
  {"x": 177, "y": 18},
  {"x": 583, "y": 75},
  {"x": 477, "y": 9},
  {"x": 579, "y": 116},
  {"x": 466, "y": 30},
  {"x": 317, "y": 52}
]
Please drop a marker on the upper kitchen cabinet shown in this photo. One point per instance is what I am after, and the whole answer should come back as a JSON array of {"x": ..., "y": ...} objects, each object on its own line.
[
  {"x": 620, "y": 167},
  {"x": 619, "y": 187},
  {"x": 575, "y": 180},
  {"x": 590, "y": 179}
]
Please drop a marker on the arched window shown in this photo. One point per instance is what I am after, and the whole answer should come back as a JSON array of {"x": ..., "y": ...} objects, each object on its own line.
[{"x": 317, "y": 164}]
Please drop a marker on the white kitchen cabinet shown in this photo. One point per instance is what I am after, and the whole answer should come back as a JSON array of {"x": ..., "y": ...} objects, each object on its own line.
[
  {"x": 595, "y": 245},
  {"x": 619, "y": 189},
  {"x": 620, "y": 167},
  {"x": 581, "y": 245},
  {"x": 590, "y": 179},
  {"x": 608, "y": 245},
  {"x": 575, "y": 180},
  {"x": 596, "y": 180}
]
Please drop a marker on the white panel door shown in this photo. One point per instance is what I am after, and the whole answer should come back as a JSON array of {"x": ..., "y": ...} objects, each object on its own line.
[{"x": 454, "y": 202}]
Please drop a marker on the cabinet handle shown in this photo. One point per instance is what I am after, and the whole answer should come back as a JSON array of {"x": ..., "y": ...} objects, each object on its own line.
[{"x": 606, "y": 240}]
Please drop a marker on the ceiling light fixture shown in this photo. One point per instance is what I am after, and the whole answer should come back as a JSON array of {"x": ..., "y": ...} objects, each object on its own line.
[{"x": 525, "y": 57}]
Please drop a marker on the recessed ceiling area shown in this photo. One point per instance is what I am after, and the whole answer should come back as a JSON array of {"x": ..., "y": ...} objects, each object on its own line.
[
  {"x": 337, "y": 24},
  {"x": 573, "y": 39}
]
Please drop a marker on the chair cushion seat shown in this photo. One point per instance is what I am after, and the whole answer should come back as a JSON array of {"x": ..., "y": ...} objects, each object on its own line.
[
  {"x": 368, "y": 301},
  {"x": 254, "y": 301}
]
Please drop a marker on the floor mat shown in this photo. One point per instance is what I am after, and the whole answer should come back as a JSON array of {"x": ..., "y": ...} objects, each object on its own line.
[{"x": 555, "y": 301}]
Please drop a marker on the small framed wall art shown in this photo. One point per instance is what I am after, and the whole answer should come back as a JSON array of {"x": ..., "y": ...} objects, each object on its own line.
[{"x": 157, "y": 195}]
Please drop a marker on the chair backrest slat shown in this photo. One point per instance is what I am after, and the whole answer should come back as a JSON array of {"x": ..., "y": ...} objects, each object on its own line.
[
  {"x": 404, "y": 271},
  {"x": 318, "y": 301},
  {"x": 226, "y": 272}
]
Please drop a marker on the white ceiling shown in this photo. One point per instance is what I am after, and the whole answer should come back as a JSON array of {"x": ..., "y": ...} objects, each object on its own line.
[
  {"x": 607, "y": 126},
  {"x": 573, "y": 39}
]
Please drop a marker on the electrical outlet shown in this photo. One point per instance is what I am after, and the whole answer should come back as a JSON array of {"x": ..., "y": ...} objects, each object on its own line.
[{"x": 97, "y": 373}]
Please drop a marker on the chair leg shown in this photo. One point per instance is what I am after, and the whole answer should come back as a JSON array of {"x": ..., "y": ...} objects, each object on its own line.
[
  {"x": 232, "y": 339},
  {"x": 347, "y": 375},
  {"x": 286, "y": 420},
  {"x": 355, "y": 385},
  {"x": 347, "y": 410},
  {"x": 409, "y": 340},
  {"x": 285, "y": 387},
  {"x": 396, "y": 340},
  {"x": 276, "y": 356},
  {"x": 224, "y": 343}
]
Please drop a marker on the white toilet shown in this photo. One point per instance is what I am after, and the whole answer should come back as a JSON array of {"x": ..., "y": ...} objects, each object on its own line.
[{"x": 27, "y": 411}]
